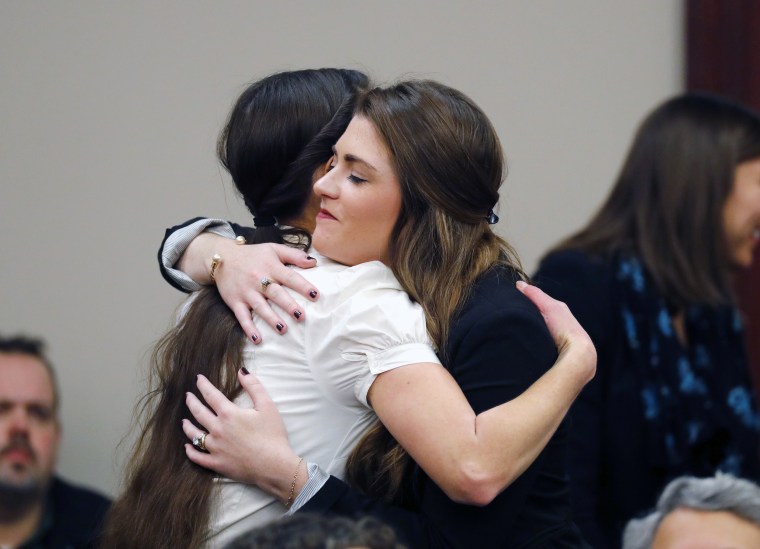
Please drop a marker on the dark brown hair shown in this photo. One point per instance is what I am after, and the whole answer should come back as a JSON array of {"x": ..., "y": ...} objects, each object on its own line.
[
  {"x": 279, "y": 132},
  {"x": 666, "y": 204},
  {"x": 449, "y": 162}
]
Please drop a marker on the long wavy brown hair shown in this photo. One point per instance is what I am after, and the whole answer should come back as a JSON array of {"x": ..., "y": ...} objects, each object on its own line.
[
  {"x": 279, "y": 132},
  {"x": 450, "y": 165},
  {"x": 666, "y": 205}
]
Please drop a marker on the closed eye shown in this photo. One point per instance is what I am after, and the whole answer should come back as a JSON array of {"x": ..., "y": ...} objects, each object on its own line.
[{"x": 356, "y": 179}]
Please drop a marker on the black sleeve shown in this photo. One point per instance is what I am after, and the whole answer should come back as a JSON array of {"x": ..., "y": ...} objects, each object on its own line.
[
  {"x": 583, "y": 283},
  {"x": 238, "y": 229},
  {"x": 502, "y": 354}
]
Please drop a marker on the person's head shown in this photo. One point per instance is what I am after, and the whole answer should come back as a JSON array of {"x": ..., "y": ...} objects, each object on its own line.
[
  {"x": 678, "y": 202},
  {"x": 700, "y": 513},
  {"x": 413, "y": 183},
  {"x": 278, "y": 135},
  {"x": 29, "y": 427},
  {"x": 277, "y": 139},
  {"x": 319, "y": 531}
]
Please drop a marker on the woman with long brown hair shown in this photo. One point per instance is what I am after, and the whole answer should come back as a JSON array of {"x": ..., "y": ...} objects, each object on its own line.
[
  {"x": 432, "y": 150},
  {"x": 650, "y": 278}
]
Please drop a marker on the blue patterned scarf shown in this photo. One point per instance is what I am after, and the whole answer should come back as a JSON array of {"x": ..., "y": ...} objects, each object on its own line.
[{"x": 698, "y": 402}]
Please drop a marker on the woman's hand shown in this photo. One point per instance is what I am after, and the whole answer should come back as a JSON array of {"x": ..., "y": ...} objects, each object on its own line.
[
  {"x": 571, "y": 339},
  {"x": 246, "y": 445},
  {"x": 239, "y": 273},
  {"x": 239, "y": 279}
]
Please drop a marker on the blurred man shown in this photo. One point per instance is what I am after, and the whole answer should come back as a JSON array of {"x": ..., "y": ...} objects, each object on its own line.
[{"x": 37, "y": 509}]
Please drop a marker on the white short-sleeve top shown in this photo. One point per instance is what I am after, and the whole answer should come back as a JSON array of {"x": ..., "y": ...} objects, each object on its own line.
[{"x": 319, "y": 373}]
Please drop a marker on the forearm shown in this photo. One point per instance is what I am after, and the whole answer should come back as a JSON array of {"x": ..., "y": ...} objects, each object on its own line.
[
  {"x": 196, "y": 260},
  {"x": 520, "y": 388},
  {"x": 175, "y": 243}
]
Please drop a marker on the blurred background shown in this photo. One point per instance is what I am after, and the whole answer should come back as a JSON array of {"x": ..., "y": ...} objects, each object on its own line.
[{"x": 110, "y": 113}]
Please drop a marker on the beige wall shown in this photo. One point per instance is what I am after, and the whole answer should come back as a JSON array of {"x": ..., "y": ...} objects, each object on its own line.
[{"x": 109, "y": 113}]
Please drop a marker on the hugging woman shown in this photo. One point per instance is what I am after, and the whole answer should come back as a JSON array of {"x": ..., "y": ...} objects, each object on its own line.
[{"x": 419, "y": 211}]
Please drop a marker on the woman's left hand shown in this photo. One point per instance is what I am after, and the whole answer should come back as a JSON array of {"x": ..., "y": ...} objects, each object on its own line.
[
  {"x": 573, "y": 342},
  {"x": 246, "y": 445}
]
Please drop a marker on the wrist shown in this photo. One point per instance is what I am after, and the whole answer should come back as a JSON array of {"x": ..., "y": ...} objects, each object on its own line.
[
  {"x": 299, "y": 473},
  {"x": 288, "y": 477}
]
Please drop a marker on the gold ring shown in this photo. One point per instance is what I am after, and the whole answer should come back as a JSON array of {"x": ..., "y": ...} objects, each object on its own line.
[{"x": 200, "y": 442}]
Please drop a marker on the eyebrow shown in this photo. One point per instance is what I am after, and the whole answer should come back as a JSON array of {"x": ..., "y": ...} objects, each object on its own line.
[{"x": 354, "y": 159}]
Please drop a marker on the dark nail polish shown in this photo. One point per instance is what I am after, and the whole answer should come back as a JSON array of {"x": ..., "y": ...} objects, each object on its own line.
[
  {"x": 245, "y": 371},
  {"x": 297, "y": 314},
  {"x": 309, "y": 258},
  {"x": 313, "y": 294},
  {"x": 279, "y": 327},
  {"x": 254, "y": 337}
]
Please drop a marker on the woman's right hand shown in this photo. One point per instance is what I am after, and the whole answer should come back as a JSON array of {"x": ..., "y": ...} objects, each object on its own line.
[
  {"x": 239, "y": 274},
  {"x": 573, "y": 342}
]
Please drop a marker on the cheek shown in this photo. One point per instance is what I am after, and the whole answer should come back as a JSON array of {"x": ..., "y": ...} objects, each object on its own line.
[{"x": 45, "y": 442}]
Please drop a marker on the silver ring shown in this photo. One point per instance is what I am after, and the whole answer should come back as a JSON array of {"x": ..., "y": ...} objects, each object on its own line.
[
  {"x": 200, "y": 442},
  {"x": 264, "y": 283}
]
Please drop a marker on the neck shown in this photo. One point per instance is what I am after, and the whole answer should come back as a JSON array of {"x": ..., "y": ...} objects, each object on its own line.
[
  {"x": 21, "y": 509},
  {"x": 302, "y": 222},
  {"x": 15, "y": 529}
]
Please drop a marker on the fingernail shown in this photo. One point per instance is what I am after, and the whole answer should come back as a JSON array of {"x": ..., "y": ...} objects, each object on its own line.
[
  {"x": 521, "y": 284},
  {"x": 297, "y": 314},
  {"x": 245, "y": 371},
  {"x": 254, "y": 338},
  {"x": 313, "y": 294},
  {"x": 279, "y": 327},
  {"x": 310, "y": 258}
]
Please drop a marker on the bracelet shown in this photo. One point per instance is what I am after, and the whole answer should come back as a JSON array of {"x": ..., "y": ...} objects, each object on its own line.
[
  {"x": 215, "y": 261},
  {"x": 291, "y": 497}
]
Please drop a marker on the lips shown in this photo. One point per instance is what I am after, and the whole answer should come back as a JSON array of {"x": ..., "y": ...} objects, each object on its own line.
[
  {"x": 18, "y": 452},
  {"x": 324, "y": 214}
]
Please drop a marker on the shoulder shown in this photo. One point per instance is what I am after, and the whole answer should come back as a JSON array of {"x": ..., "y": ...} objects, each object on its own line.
[
  {"x": 572, "y": 263},
  {"x": 573, "y": 276},
  {"x": 366, "y": 287},
  {"x": 363, "y": 307},
  {"x": 495, "y": 294},
  {"x": 82, "y": 498},
  {"x": 497, "y": 309},
  {"x": 370, "y": 276},
  {"x": 77, "y": 510}
]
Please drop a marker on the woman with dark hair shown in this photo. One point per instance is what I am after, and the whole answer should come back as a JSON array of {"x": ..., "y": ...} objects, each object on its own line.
[
  {"x": 166, "y": 501},
  {"x": 649, "y": 278},
  {"x": 429, "y": 157},
  {"x": 361, "y": 331}
]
